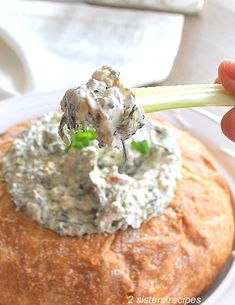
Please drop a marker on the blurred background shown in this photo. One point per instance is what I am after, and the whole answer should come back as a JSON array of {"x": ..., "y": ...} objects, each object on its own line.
[{"x": 53, "y": 45}]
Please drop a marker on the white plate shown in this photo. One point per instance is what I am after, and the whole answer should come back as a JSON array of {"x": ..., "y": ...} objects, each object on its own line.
[{"x": 199, "y": 122}]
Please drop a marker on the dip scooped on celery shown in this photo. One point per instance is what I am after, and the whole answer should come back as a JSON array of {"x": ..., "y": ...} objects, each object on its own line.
[
  {"x": 110, "y": 108},
  {"x": 104, "y": 104}
]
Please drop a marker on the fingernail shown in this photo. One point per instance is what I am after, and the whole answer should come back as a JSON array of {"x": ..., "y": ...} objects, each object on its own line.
[{"x": 228, "y": 67}]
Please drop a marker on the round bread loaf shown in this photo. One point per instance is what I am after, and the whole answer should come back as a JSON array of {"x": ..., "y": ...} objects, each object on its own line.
[{"x": 177, "y": 254}]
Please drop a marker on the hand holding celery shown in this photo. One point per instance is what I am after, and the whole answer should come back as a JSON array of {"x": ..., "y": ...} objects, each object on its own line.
[{"x": 153, "y": 99}]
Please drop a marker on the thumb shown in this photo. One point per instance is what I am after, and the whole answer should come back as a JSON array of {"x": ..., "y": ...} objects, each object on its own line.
[{"x": 228, "y": 124}]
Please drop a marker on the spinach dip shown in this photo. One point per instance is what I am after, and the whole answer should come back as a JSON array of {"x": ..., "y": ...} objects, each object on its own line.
[
  {"x": 104, "y": 103},
  {"x": 90, "y": 190}
]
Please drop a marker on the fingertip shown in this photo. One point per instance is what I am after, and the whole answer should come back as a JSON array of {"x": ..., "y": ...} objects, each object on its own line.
[
  {"x": 226, "y": 74},
  {"x": 227, "y": 67},
  {"x": 228, "y": 124}
]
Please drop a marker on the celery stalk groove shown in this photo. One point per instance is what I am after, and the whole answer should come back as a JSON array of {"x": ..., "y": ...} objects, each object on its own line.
[{"x": 153, "y": 99}]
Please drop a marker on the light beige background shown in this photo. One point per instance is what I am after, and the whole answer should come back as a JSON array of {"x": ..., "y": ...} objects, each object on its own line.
[{"x": 207, "y": 40}]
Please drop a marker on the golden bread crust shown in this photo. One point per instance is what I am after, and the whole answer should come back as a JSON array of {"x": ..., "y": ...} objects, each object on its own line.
[{"x": 177, "y": 254}]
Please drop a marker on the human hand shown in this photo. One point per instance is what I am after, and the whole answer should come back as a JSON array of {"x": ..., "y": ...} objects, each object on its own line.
[{"x": 226, "y": 77}]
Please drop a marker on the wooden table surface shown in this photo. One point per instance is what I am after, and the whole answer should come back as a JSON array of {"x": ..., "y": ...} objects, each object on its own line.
[{"x": 207, "y": 40}]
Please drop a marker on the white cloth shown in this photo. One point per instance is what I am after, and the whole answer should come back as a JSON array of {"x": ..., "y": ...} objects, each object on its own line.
[
  {"x": 183, "y": 6},
  {"x": 47, "y": 46}
]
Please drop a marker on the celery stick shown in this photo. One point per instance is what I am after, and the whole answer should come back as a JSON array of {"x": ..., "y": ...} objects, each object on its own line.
[{"x": 153, "y": 99}]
